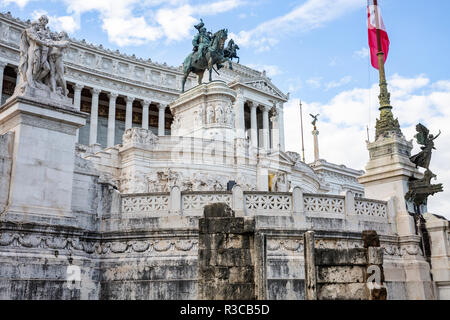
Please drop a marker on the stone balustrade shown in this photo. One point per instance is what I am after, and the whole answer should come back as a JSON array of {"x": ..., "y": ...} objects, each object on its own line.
[{"x": 256, "y": 204}]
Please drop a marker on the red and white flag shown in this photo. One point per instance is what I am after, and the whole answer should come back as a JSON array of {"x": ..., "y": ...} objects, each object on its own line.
[{"x": 373, "y": 10}]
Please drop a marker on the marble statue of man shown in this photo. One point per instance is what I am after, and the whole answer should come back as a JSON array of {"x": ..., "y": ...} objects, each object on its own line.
[
  {"x": 30, "y": 54},
  {"x": 56, "y": 62},
  {"x": 41, "y": 64},
  {"x": 45, "y": 35}
]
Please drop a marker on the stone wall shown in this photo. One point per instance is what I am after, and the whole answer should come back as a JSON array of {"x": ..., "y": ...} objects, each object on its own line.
[
  {"x": 226, "y": 256},
  {"x": 6, "y": 158},
  {"x": 351, "y": 274}
]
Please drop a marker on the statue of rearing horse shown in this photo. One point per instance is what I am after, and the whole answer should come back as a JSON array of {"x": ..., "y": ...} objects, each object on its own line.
[{"x": 197, "y": 62}]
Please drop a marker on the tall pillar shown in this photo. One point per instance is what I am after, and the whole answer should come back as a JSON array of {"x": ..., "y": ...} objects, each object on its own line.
[
  {"x": 2, "y": 70},
  {"x": 265, "y": 110},
  {"x": 253, "y": 125},
  {"x": 76, "y": 100},
  {"x": 161, "y": 119},
  {"x": 316, "y": 144},
  {"x": 77, "y": 96},
  {"x": 281, "y": 126},
  {"x": 275, "y": 136},
  {"x": 240, "y": 115},
  {"x": 17, "y": 75},
  {"x": 111, "y": 119},
  {"x": 94, "y": 116},
  {"x": 129, "y": 113},
  {"x": 145, "y": 109}
]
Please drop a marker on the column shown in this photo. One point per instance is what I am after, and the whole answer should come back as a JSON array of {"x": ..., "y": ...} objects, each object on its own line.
[
  {"x": 265, "y": 111},
  {"x": 17, "y": 76},
  {"x": 76, "y": 100},
  {"x": 240, "y": 116},
  {"x": 316, "y": 144},
  {"x": 254, "y": 125},
  {"x": 281, "y": 126},
  {"x": 94, "y": 116},
  {"x": 77, "y": 96},
  {"x": 129, "y": 113},
  {"x": 161, "y": 119},
  {"x": 275, "y": 132},
  {"x": 111, "y": 119},
  {"x": 145, "y": 110},
  {"x": 2, "y": 70}
]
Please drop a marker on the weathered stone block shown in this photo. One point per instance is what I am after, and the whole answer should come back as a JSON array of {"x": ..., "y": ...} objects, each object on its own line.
[
  {"x": 331, "y": 257},
  {"x": 241, "y": 274},
  {"x": 224, "y": 240},
  {"x": 378, "y": 294},
  {"x": 218, "y": 210},
  {"x": 341, "y": 274},
  {"x": 375, "y": 255},
  {"x": 222, "y": 225},
  {"x": 343, "y": 291},
  {"x": 370, "y": 238}
]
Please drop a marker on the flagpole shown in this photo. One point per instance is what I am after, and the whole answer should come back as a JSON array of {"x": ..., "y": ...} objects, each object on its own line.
[
  {"x": 384, "y": 94},
  {"x": 386, "y": 123},
  {"x": 301, "y": 124}
]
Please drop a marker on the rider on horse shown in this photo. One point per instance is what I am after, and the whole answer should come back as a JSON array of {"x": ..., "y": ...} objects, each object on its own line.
[{"x": 201, "y": 41}]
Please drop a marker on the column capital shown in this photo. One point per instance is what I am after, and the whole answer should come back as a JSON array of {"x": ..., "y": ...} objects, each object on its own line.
[
  {"x": 3, "y": 65},
  {"x": 162, "y": 106},
  {"x": 113, "y": 95},
  {"x": 252, "y": 104},
  {"x": 146, "y": 103},
  {"x": 96, "y": 91},
  {"x": 265, "y": 108},
  {"x": 78, "y": 87},
  {"x": 129, "y": 99}
]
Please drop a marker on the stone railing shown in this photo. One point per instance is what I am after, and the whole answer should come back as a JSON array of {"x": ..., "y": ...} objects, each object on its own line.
[
  {"x": 319, "y": 204},
  {"x": 152, "y": 204},
  {"x": 370, "y": 208},
  {"x": 257, "y": 204},
  {"x": 192, "y": 203},
  {"x": 268, "y": 203}
]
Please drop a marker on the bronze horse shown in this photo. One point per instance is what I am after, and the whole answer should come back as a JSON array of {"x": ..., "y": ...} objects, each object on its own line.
[{"x": 214, "y": 55}]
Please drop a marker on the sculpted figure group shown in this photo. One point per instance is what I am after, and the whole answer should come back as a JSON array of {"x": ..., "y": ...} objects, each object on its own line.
[
  {"x": 41, "y": 58},
  {"x": 208, "y": 51}
]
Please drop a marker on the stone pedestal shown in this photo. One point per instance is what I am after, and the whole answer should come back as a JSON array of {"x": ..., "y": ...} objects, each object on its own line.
[
  {"x": 205, "y": 111},
  {"x": 387, "y": 175},
  {"x": 438, "y": 236},
  {"x": 42, "y": 158}
]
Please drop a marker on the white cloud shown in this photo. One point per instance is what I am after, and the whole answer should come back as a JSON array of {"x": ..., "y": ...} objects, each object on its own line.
[
  {"x": 309, "y": 15},
  {"x": 315, "y": 82},
  {"x": 363, "y": 53},
  {"x": 336, "y": 84},
  {"x": 271, "y": 70},
  {"x": 62, "y": 23},
  {"x": 20, "y": 3},
  {"x": 343, "y": 120},
  {"x": 126, "y": 24},
  {"x": 443, "y": 85},
  {"x": 217, "y": 7}
]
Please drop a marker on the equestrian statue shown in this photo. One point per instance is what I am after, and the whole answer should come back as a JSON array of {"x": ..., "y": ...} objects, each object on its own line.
[{"x": 208, "y": 50}]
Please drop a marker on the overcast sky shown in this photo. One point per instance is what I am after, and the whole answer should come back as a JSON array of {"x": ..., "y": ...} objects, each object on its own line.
[{"x": 315, "y": 49}]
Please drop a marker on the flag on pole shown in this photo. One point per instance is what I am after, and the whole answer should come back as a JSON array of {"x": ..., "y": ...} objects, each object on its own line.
[{"x": 373, "y": 25}]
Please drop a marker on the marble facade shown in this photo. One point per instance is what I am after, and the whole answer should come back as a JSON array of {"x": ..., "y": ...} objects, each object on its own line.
[{"x": 114, "y": 184}]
